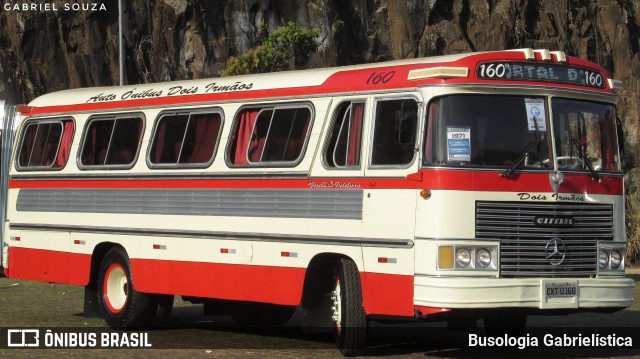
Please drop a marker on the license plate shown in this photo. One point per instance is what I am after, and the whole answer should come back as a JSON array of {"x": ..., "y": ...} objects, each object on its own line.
[{"x": 560, "y": 290}]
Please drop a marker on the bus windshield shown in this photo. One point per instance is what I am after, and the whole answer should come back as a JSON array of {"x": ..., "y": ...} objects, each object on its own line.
[
  {"x": 488, "y": 131},
  {"x": 505, "y": 132},
  {"x": 585, "y": 135}
]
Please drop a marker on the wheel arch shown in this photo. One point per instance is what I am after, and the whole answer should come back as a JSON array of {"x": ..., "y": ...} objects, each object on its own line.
[
  {"x": 318, "y": 277},
  {"x": 96, "y": 257},
  {"x": 91, "y": 309}
]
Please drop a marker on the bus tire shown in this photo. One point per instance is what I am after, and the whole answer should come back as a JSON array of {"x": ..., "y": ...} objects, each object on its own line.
[
  {"x": 348, "y": 315},
  {"x": 120, "y": 304}
]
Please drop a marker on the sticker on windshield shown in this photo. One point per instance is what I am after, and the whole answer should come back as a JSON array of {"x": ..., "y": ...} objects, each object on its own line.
[
  {"x": 536, "y": 114},
  {"x": 459, "y": 144}
]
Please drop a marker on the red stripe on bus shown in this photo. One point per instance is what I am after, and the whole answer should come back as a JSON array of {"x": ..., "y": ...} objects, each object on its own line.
[
  {"x": 384, "y": 294},
  {"x": 432, "y": 179},
  {"x": 49, "y": 266},
  {"x": 277, "y": 285},
  {"x": 519, "y": 182},
  {"x": 387, "y": 294}
]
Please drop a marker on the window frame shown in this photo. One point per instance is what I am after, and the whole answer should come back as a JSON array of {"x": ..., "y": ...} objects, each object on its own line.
[
  {"x": 39, "y": 121},
  {"x": 616, "y": 146},
  {"x": 231, "y": 141},
  {"x": 114, "y": 117},
  {"x": 190, "y": 113},
  {"x": 327, "y": 139},
  {"x": 427, "y": 162},
  {"x": 419, "y": 124}
]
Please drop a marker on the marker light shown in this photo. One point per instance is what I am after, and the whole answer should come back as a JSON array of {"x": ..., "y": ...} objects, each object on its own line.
[
  {"x": 442, "y": 72},
  {"x": 445, "y": 257},
  {"x": 425, "y": 194}
]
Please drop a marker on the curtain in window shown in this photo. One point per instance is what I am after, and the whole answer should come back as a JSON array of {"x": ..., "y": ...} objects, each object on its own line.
[
  {"x": 355, "y": 134},
  {"x": 162, "y": 127},
  {"x": 89, "y": 150},
  {"x": 65, "y": 144},
  {"x": 27, "y": 144},
  {"x": 245, "y": 127},
  {"x": 206, "y": 129}
]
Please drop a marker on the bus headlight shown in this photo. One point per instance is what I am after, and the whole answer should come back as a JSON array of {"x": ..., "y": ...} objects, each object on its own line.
[
  {"x": 483, "y": 258},
  {"x": 616, "y": 259},
  {"x": 603, "y": 259},
  {"x": 611, "y": 258},
  {"x": 463, "y": 257},
  {"x": 468, "y": 257}
]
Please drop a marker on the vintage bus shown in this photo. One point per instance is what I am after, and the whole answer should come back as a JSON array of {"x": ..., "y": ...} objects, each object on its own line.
[{"x": 469, "y": 185}]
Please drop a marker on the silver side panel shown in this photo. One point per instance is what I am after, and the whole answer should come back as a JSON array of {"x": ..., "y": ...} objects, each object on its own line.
[{"x": 290, "y": 203}]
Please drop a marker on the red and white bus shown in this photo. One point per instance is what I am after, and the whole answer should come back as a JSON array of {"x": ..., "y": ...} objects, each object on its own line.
[{"x": 437, "y": 187}]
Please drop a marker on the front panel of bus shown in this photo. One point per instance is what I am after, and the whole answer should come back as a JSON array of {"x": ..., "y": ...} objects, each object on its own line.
[{"x": 526, "y": 203}]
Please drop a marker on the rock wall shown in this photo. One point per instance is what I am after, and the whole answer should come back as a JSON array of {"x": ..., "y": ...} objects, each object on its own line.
[{"x": 43, "y": 51}]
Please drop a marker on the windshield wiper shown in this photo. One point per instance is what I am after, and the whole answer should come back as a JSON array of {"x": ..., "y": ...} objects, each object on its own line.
[
  {"x": 586, "y": 161},
  {"x": 521, "y": 157}
]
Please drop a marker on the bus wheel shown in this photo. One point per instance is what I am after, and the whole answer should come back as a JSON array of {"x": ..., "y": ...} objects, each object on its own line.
[
  {"x": 120, "y": 304},
  {"x": 349, "y": 318}
]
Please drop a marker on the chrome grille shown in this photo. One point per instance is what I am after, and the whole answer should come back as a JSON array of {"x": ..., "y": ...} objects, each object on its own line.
[{"x": 523, "y": 243}]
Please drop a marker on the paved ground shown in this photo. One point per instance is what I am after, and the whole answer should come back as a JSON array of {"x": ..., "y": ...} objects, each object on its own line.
[{"x": 25, "y": 304}]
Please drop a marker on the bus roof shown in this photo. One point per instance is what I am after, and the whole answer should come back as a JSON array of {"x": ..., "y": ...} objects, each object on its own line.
[{"x": 409, "y": 73}]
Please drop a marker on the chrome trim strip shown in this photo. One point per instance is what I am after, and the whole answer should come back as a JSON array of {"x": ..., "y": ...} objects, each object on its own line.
[
  {"x": 166, "y": 176},
  {"x": 326, "y": 240},
  {"x": 269, "y": 203}
]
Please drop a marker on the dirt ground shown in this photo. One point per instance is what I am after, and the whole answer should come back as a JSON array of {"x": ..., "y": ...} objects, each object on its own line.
[{"x": 25, "y": 304}]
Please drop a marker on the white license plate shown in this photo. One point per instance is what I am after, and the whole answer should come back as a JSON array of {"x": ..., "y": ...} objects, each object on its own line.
[{"x": 560, "y": 290}]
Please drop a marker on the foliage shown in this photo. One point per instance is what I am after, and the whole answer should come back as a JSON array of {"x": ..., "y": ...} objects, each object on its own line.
[
  {"x": 286, "y": 48},
  {"x": 633, "y": 226}
]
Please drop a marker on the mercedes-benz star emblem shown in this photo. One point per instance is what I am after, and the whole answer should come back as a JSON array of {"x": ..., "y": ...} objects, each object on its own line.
[{"x": 555, "y": 251}]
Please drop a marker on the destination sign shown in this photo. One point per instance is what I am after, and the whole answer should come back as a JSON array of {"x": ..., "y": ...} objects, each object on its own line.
[{"x": 540, "y": 72}]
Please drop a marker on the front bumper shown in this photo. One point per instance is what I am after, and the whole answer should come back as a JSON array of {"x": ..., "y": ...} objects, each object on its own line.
[{"x": 458, "y": 292}]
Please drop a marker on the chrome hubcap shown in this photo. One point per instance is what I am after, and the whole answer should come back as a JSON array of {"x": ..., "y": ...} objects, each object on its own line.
[{"x": 336, "y": 308}]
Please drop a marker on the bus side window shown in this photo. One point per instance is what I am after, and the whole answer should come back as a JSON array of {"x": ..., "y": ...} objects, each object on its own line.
[
  {"x": 111, "y": 141},
  {"x": 185, "y": 139},
  {"x": 345, "y": 139},
  {"x": 394, "y": 133},
  {"x": 273, "y": 135},
  {"x": 46, "y": 144}
]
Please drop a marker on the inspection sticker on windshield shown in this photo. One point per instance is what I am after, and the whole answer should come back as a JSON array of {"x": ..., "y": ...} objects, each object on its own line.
[
  {"x": 459, "y": 144},
  {"x": 536, "y": 114}
]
